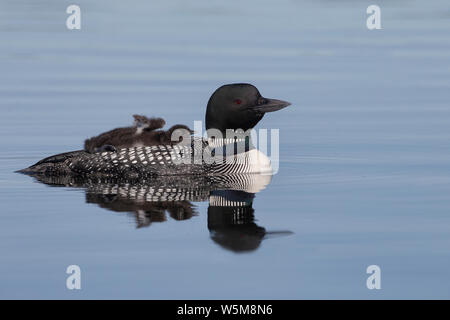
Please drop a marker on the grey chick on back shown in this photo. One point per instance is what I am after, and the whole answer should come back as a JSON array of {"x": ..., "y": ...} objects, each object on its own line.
[{"x": 144, "y": 132}]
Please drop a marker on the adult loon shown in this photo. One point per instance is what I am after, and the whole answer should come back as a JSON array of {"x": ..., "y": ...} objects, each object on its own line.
[{"x": 237, "y": 106}]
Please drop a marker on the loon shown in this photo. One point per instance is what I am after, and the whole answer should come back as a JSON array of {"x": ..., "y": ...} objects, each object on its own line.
[
  {"x": 143, "y": 133},
  {"x": 238, "y": 106}
]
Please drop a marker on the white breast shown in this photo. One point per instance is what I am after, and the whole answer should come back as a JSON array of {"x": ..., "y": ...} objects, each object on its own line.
[{"x": 255, "y": 161}]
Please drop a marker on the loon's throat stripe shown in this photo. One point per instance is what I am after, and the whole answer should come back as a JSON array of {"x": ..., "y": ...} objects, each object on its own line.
[{"x": 214, "y": 143}]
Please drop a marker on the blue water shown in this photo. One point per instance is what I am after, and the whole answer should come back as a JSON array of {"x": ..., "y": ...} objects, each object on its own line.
[{"x": 365, "y": 147}]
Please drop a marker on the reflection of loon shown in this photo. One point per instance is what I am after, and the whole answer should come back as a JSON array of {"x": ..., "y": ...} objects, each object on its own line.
[
  {"x": 145, "y": 212},
  {"x": 235, "y": 106},
  {"x": 231, "y": 221},
  {"x": 230, "y": 212}
]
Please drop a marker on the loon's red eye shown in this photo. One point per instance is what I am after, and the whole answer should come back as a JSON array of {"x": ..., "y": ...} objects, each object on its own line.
[{"x": 238, "y": 101}]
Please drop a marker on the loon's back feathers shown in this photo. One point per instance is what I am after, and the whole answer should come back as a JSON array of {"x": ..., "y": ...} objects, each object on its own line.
[
  {"x": 196, "y": 158},
  {"x": 143, "y": 133},
  {"x": 61, "y": 157}
]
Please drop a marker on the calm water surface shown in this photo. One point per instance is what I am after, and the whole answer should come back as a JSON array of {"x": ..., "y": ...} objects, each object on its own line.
[{"x": 365, "y": 147}]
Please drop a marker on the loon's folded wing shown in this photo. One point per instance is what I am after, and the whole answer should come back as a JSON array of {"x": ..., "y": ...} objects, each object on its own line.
[
  {"x": 52, "y": 161},
  {"x": 60, "y": 157},
  {"x": 194, "y": 158}
]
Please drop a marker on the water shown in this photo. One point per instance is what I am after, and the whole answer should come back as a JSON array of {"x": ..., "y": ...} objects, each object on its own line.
[{"x": 364, "y": 175}]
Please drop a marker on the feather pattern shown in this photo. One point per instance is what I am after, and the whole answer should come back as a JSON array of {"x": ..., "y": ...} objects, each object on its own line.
[{"x": 140, "y": 162}]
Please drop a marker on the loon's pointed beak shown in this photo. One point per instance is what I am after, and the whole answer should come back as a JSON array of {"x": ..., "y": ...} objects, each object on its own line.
[
  {"x": 271, "y": 105},
  {"x": 275, "y": 234}
]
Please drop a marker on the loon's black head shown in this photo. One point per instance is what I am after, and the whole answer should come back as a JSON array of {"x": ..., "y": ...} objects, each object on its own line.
[{"x": 238, "y": 106}]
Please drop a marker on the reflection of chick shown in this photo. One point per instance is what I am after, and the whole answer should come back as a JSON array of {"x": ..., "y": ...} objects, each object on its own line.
[
  {"x": 145, "y": 212},
  {"x": 143, "y": 133}
]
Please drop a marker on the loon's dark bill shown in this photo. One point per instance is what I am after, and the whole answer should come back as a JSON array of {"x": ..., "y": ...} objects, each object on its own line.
[{"x": 271, "y": 105}]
